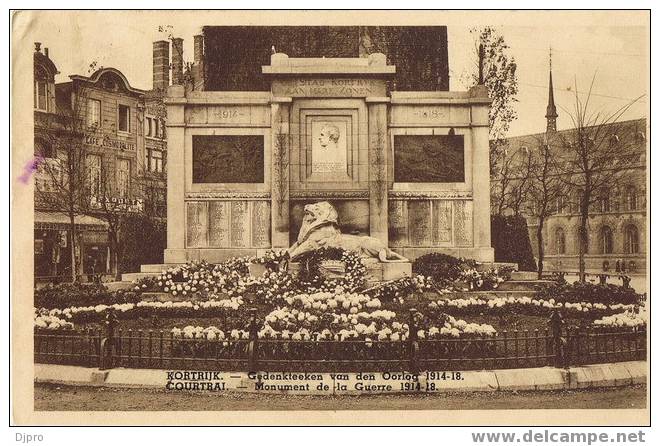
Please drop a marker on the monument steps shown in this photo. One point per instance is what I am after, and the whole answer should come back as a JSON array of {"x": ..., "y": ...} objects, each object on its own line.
[
  {"x": 130, "y": 277},
  {"x": 493, "y": 294},
  {"x": 524, "y": 275},
  {"x": 166, "y": 297},
  {"x": 156, "y": 267},
  {"x": 525, "y": 285}
]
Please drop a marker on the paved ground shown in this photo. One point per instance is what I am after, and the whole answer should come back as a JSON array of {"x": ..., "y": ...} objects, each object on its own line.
[{"x": 58, "y": 397}]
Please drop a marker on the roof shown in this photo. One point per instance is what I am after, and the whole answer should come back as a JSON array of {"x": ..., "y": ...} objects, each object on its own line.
[
  {"x": 46, "y": 62},
  {"x": 103, "y": 72},
  {"x": 639, "y": 125},
  {"x": 57, "y": 218}
]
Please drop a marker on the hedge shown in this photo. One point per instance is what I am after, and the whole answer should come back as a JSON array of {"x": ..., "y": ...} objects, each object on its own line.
[{"x": 510, "y": 238}]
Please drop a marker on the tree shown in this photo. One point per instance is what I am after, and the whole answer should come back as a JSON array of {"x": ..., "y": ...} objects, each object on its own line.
[
  {"x": 545, "y": 187},
  {"x": 521, "y": 181},
  {"x": 62, "y": 184},
  {"x": 599, "y": 151},
  {"x": 500, "y": 186},
  {"x": 511, "y": 180},
  {"x": 497, "y": 70}
]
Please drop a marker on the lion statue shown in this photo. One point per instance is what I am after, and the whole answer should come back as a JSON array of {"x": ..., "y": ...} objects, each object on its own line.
[{"x": 321, "y": 229}]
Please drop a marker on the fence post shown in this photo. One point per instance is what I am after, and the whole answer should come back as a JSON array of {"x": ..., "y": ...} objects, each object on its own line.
[
  {"x": 252, "y": 345},
  {"x": 556, "y": 325},
  {"x": 108, "y": 343},
  {"x": 561, "y": 277},
  {"x": 626, "y": 281},
  {"x": 413, "y": 346}
]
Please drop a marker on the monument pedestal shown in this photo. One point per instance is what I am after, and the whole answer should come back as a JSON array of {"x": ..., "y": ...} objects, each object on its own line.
[{"x": 376, "y": 271}]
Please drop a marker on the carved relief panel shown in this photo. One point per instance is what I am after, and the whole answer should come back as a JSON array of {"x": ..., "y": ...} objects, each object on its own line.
[{"x": 329, "y": 145}]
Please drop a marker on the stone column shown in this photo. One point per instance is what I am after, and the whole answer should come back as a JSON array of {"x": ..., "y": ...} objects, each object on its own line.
[
  {"x": 280, "y": 146},
  {"x": 481, "y": 174},
  {"x": 176, "y": 210},
  {"x": 378, "y": 150}
]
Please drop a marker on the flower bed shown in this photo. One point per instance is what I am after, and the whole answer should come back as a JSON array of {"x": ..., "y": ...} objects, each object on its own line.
[
  {"x": 525, "y": 306},
  {"x": 311, "y": 306},
  {"x": 591, "y": 293},
  {"x": 98, "y": 313},
  {"x": 445, "y": 271},
  {"x": 632, "y": 317}
]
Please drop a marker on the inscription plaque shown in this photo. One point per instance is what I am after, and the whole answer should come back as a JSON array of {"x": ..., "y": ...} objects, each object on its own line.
[
  {"x": 260, "y": 224},
  {"x": 196, "y": 224},
  {"x": 442, "y": 223},
  {"x": 340, "y": 87},
  {"x": 398, "y": 223},
  {"x": 419, "y": 218},
  {"x": 219, "y": 224},
  {"x": 240, "y": 224},
  {"x": 463, "y": 222}
]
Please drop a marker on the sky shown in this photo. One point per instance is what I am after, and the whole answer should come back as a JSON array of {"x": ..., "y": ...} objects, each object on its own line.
[{"x": 610, "y": 46}]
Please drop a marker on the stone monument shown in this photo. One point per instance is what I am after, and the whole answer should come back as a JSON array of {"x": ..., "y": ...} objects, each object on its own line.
[{"x": 408, "y": 169}]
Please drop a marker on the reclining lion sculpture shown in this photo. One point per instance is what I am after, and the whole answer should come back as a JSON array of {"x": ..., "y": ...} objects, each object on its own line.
[{"x": 321, "y": 229}]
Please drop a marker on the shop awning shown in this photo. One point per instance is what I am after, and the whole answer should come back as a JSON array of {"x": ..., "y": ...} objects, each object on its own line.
[{"x": 56, "y": 220}]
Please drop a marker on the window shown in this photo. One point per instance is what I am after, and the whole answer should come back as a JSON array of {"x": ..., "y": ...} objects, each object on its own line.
[
  {"x": 147, "y": 126},
  {"x": 123, "y": 177},
  {"x": 604, "y": 200},
  {"x": 93, "y": 113},
  {"x": 606, "y": 243},
  {"x": 41, "y": 95},
  {"x": 124, "y": 118},
  {"x": 154, "y": 160},
  {"x": 561, "y": 204},
  {"x": 152, "y": 127},
  {"x": 631, "y": 198},
  {"x": 560, "y": 241},
  {"x": 578, "y": 199},
  {"x": 94, "y": 174},
  {"x": 631, "y": 240},
  {"x": 43, "y": 149}
]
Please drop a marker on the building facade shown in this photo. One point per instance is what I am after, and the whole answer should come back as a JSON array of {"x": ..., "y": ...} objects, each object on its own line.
[
  {"x": 100, "y": 147},
  {"x": 617, "y": 216}
]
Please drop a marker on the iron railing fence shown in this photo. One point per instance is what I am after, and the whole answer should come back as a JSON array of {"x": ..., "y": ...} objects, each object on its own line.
[{"x": 557, "y": 345}]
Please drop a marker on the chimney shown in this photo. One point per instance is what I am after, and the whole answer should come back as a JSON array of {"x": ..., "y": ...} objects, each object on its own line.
[
  {"x": 37, "y": 47},
  {"x": 198, "y": 66},
  {"x": 177, "y": 61},
  {"x": 161, "y": 68},
  {"x": 46, "y": 52},
  {"x": 199, "y": 48}
]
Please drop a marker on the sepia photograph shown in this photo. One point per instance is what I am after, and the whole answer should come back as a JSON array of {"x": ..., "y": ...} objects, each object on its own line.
[{"x": 374, "y": 213}]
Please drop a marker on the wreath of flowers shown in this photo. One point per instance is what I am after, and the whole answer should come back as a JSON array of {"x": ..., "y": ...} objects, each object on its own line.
[
  {"x": 271, "y": 259},
  {"x": 309, "y": 276}
]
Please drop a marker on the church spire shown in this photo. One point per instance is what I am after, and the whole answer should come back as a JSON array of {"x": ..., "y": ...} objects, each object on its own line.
[{"x": 551, "y": 110}]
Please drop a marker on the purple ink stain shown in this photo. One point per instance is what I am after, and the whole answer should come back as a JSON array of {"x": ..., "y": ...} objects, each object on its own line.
[{"x": 30, "y": 167}]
